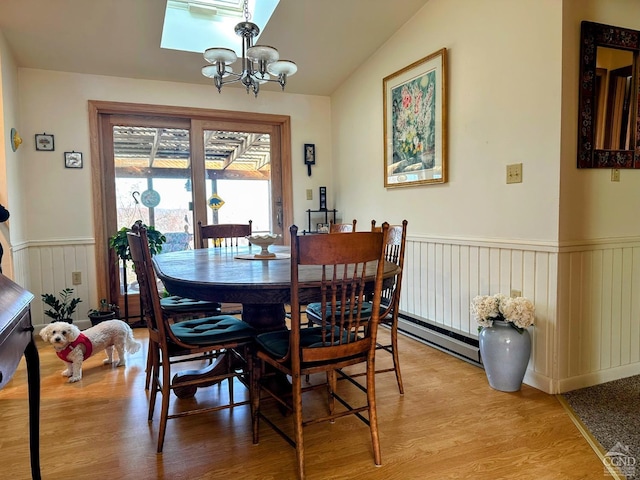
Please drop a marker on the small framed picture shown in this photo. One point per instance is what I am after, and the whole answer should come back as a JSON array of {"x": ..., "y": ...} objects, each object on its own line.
[
  {"x": 323, "y": 198},
  {"x": 309, "y": 153},
  {"x": 44, "y": 142},
  {"x": 73, "y": 159},
  {"x": 323, "y": 228}
]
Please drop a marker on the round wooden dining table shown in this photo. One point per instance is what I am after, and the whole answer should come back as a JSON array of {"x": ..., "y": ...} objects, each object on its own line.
[{"x": 234, "y": 275}]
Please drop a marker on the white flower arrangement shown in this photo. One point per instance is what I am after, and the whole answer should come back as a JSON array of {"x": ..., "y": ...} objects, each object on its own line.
[{"x": 518, "y": 311}]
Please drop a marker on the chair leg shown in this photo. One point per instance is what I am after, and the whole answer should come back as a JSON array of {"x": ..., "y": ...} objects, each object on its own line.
[
  {"x": 229, "y": 359},
  {"x": 373, "y": 413},
  {"x": 166, "y": 393},
  {"x": 149, "y": 369},
  {"x": 155, "y": 360},
  {"x": 254, "y": 393},
  {"x": 297, "y": 426},
  {"x": 396, "y": 357},
  {"x": 332, "y": 383}
]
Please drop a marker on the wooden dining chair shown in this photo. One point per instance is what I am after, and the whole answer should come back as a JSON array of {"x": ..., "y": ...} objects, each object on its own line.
[
  {"x": 224, "y": 337},
  {"x": 222, "y": 234},
  {"x": 342, "y": 227},
  {"x": 390, "y": 301},
  {"x": 394, "y": 252},
  {"x": 350, "y": 265}
]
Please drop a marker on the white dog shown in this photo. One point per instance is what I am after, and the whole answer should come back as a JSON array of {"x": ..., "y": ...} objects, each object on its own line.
[{"x": 74, "y": 346}]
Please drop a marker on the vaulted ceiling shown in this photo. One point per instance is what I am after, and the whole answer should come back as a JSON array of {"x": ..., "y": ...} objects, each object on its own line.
[{"x": 328, "y": 39}]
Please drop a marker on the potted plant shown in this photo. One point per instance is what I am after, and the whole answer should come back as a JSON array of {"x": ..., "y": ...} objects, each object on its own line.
[
  {"x": 120, "y": 244},
  {"x": 61, "y": 308},
  {"x": 106, "y": 311}
]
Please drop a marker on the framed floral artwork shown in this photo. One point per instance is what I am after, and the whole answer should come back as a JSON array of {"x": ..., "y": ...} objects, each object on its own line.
[{"x": 415, "y": 129}]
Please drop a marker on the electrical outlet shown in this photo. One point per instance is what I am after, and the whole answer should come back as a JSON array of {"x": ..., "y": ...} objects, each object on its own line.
[
  {"x": 615, "y": 174},
  {"x": 76, "y": 278},
  {"x": 514, "y": 173},
  {"x": 309, "y": 194},
  {"x": 516, "y": 293}
]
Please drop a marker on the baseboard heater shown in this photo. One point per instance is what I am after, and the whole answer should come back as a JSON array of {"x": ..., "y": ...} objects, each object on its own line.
[{"x": 451, "y": 342}]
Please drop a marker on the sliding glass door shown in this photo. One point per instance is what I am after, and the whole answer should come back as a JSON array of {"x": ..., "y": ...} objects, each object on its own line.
[{"x": 173, "y": 171}]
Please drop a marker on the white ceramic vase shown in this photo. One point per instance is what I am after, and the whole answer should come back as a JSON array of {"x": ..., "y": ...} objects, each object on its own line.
[{"x": 505, "y": 355}]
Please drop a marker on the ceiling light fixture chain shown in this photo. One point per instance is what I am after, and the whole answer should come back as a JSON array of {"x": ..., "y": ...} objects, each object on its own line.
[
  {"x": 258, "y": 61},
  {"x": 246, "y": 10}
]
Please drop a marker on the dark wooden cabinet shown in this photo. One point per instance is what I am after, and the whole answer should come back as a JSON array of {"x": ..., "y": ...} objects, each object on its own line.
[{"x": 16, "y": 340}]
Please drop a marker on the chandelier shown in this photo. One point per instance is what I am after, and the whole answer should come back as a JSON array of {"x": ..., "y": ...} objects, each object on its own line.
[{"x": 259, "y": 62}]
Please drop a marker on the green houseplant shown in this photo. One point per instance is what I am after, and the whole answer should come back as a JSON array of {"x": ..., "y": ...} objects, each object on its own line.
[
  {"x": 106, "y": 311},
  {"x": 61, "y": 308},
  {"x": 120, "y": 244}
]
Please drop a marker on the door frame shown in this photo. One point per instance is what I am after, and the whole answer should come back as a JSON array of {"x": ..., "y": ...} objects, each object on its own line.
[{"x": 102, "y": 154}]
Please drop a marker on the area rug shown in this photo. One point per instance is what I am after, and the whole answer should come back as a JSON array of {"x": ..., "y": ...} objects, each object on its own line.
[{"x": 610, "y": 418}]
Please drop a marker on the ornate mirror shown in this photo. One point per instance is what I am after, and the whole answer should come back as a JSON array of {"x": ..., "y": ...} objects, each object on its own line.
[{"x": 609, "y": 97}]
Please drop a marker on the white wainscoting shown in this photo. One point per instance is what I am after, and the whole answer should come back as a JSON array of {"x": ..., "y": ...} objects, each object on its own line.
[
  {"x": 46, "y": 267},
  {"x": 587, "y": 295},
  {"x": 599, "y": 335},
  {"x": 587, "y": 313}
]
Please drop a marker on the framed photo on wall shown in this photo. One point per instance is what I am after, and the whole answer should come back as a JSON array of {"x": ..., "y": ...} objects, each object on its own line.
[
  {"x": 415, "y": 129},
  {"x": 44, "y": 142},
  {"x": 323, "y": 198},
  {"x": 309, "y": 156},
  {"x": 73, "y": 159}
]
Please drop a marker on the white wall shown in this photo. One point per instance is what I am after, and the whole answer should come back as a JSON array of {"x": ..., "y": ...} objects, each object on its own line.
[
  {"x": 58, "y": 231},
  {"x": 56, "y": 103},
  {"x": 474, "y": 234},
  {"x": 592, "y": 206},
  {"x": 504, "y": 107},
  {"x": 512, "y": 98}
]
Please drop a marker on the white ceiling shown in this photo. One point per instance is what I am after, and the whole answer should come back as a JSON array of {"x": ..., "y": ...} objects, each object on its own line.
[{"x": 328, "y": 39}]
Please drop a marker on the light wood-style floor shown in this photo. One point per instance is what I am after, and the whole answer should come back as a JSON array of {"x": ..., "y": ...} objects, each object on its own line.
[{"x": 449, "y": 424}]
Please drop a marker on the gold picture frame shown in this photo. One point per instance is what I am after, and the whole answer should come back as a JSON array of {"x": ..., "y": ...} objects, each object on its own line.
[{"x": 415, "y": 123}]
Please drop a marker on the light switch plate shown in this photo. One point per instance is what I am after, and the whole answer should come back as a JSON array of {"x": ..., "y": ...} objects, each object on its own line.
[
  {"x": 615, "y": 174},
  {"x": 309, "y": 194},
  {"x": 514, "y": 173}
]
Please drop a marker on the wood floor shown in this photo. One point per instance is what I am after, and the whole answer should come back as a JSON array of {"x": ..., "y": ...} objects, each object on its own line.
[{"x": 449, "y": 424}]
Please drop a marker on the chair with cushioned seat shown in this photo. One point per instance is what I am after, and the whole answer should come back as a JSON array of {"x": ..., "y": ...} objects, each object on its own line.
[
  {"x": 394, "y": 252},
  {"x": 177, "y": 309},
  {"x": 222, "y": 234},
  {"x": 342, "y": 227},
  {"x": 351, "y": 268},
  {"x": 224, "y": 337}
]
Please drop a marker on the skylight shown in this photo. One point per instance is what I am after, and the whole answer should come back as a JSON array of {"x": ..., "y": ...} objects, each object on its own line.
[{"x": 195, "y": 25}]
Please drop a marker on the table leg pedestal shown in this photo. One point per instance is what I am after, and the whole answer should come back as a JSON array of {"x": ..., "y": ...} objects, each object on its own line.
[{"x": 264, "y": 317}]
